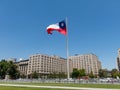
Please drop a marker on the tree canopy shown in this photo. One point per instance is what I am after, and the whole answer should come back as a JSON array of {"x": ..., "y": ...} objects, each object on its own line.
[{"x": 8, "y": 68}]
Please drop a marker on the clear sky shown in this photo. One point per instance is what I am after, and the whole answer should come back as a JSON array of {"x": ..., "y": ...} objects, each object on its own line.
[{"x": 93, "y": 27}]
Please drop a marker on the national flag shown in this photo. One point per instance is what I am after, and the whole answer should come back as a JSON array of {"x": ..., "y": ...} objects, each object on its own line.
[{"x": 60, "y": 27}]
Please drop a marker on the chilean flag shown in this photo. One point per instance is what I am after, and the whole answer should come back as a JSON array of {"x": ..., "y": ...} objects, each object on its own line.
[{"x": 60, "y": 27}]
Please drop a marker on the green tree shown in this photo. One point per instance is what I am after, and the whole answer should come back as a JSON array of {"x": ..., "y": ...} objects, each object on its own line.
[
  {"x": 103, "y": 73},
  {"x": 62, "y": 75},
  {"x": 22, "y": 76},
  {"x": 35, "y": 75},
  {"x": 91, "y": 75},
  {"x": 8, "y": 68},
  {"x": 54, "y": 75},
  {"x": 114, "y": 73},
  {"x": 81, "y": 73},
  {"x": 12, "y": 70},
  {"x": 50, "y": 75},
  {"x": 75, "y": 73},
  {"x": 3, "y": 68}
]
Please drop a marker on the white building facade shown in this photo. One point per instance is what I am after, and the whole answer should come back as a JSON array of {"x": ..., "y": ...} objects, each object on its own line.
[
  {"x": 89, "y": 62},
  {"x": 44, "y": 64},
  {"x": 118, "y": 60}
]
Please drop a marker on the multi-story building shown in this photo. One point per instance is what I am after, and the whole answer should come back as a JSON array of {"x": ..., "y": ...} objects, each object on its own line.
[
  {"x": 22, "y": 66},
  {"x": 118, "y": 60},
  {"x": 44, "y": 64},
  {"x": 89, "y": 62}
]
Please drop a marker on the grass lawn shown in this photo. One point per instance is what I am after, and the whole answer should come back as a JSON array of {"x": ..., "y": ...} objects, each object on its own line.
[
  {"x": 23, "y": 88},
  {"x": 111, "y": 86}
]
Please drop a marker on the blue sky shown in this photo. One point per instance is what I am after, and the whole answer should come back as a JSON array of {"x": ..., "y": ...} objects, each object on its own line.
[{"x": 93, "y": 27}]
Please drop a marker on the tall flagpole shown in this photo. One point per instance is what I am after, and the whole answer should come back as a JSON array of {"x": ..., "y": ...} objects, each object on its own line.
[{"x": 67, "y": 52}]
